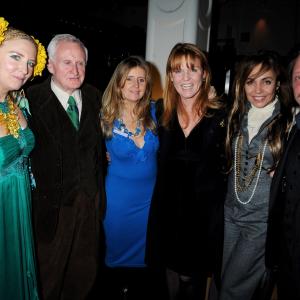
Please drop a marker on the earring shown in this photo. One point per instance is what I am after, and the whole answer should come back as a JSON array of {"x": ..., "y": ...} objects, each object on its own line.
[{"x": 277, "y": 91}]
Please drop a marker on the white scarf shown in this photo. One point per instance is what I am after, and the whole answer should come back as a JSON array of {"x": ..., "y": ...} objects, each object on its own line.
[{"x": 257, "y": 116}]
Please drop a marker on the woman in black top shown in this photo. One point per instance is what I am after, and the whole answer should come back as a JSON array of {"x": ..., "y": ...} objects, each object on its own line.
[{"x": 186, "y": 216}]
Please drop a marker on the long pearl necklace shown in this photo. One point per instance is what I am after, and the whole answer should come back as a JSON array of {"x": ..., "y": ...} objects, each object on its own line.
[{"x": 236, "y": 171}]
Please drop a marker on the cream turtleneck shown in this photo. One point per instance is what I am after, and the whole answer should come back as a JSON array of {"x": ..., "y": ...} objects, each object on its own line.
[{"x": 257, "y": 116}]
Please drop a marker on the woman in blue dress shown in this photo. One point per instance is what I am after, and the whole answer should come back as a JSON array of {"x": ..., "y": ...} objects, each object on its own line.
[
  {"x": 21, "y": 57},
  {"x": 129, "y": 126}
]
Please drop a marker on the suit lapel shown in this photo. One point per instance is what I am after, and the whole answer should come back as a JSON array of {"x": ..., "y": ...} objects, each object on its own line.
[
  {"x": 87, "y": 110},
  {"x": 84, "y": 109},
  {"x": 49, "y": 115}
]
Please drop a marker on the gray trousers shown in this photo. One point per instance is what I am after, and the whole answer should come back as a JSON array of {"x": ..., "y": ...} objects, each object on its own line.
[{"x": 243, "y": 259}]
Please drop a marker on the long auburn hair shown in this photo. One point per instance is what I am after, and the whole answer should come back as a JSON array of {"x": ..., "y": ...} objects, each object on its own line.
[
  {"x": 112, "y": 99},
  {"x": 171, "y": 98},
  {"x": 279, "y": 127}
]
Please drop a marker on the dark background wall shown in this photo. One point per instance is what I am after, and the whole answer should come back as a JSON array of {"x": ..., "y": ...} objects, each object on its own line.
[
  {"x": 111, "y": 30},
  {"x": 114, "y": 29},
  {"x": 241, "y": 27}
]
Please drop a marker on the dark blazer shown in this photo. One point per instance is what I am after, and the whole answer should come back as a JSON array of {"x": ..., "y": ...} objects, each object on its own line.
[
  {"x": 63, "y": 161},
  {"x": 67, "y": 167},
  {"x": 283, "y": 238}
]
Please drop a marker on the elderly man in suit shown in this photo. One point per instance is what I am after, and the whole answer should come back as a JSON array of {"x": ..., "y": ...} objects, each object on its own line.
[
  {"x": 283, "y": 240},
  {"x": 66, "y": 164}
]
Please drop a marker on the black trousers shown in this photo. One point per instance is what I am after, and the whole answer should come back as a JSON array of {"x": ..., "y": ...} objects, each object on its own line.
[
  {"x": 130, "y": 284},
  {"x": 68, "y": 264},
  {"x": 186, "y": 287}
]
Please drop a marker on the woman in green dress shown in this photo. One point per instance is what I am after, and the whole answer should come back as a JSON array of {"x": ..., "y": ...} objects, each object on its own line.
[{"x": 21, "y": 58}]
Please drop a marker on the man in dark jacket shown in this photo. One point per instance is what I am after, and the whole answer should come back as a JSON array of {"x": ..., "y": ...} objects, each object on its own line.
[
  {"x": 283, "y": 240},
  {"x": 67, "y": 168}
]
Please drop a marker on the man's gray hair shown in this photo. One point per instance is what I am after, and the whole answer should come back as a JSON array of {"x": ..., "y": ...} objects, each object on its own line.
[{"x": 51, "y": 49}]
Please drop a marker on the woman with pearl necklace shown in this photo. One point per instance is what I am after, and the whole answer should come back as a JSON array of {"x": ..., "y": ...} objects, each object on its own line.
[{"x": 257, "y": 129}]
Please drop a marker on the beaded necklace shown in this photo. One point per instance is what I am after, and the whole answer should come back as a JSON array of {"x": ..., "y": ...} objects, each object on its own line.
[
  {"x": 9, "y": 117},
  {"x": 122, "y": 127},
  {"x": 238, "y": 187}
]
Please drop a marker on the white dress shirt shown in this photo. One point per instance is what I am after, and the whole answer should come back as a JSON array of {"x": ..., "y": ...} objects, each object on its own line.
[{"x": 63, "y": 97}]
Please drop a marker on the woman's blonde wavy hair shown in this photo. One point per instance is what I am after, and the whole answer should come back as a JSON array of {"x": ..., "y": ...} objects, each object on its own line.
[{"x": 112, "y": 99}]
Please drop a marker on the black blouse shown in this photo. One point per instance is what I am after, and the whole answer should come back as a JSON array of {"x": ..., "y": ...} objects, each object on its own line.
[{"x": 186, "y": 216}]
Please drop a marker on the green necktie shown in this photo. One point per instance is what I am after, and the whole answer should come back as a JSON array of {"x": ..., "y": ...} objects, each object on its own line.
[{"x": 72, "y": 111}]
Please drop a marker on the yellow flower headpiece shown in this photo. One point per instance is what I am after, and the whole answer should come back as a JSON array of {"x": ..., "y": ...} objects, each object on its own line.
[
  {"x": 41, "y": 59},
  {"x": 3, "y": 28}
]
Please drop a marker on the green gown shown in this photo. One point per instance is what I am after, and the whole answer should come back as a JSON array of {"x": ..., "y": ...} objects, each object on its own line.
[{"x": 17, "y": 258}]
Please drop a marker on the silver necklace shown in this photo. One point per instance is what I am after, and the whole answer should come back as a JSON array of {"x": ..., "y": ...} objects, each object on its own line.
[{"x": 122, "y": 127}]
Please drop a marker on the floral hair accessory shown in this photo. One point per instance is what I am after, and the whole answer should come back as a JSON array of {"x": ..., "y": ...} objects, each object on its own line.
[
  {"x": 41, "y": 59},
  {"x": 3, "y": 28}
]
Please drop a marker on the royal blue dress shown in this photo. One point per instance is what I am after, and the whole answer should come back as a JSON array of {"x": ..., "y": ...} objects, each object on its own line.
[{"x": 129, "y": 185}]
